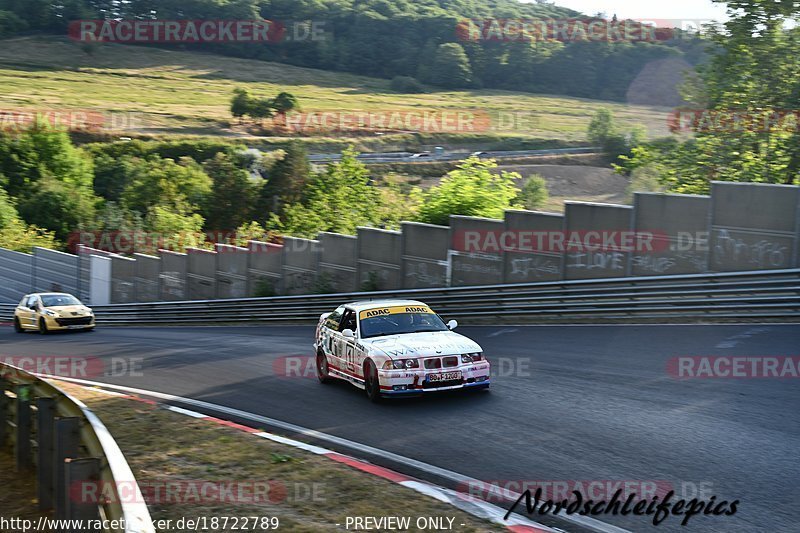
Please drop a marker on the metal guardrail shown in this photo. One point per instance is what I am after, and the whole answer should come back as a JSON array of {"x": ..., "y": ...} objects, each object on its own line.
[
  {"x": 761, "y": 294},
  {"x": 68, "y": 445}
]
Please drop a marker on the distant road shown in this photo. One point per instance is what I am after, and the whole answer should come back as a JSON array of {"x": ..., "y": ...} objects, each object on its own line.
[{"x": 411, "y": 157}]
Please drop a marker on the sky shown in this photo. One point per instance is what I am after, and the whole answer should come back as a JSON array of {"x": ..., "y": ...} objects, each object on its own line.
[{"x": 650, "y": 9}]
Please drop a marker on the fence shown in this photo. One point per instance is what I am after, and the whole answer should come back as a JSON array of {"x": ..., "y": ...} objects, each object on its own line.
[
  {"x": 741, "y": 295},
  {"x": 740, "y": 227},
  {"x": 67, "y": 445}
]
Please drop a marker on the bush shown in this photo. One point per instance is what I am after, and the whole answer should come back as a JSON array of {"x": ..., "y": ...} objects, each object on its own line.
[
  {"x": 407, "y": 85},
  {"x": 534, "y": 193}
]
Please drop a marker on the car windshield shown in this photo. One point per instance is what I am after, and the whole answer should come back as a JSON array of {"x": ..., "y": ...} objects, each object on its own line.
[
  {"x": 56, "y": 300},
  {"x": 400, "y": 323}
]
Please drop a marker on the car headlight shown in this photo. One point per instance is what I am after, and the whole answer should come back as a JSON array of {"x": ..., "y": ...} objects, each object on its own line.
[
  {"x": 471, "y": 357},
  {"x": 401, "y": 364},
  {"x": 48, "y": 312}
]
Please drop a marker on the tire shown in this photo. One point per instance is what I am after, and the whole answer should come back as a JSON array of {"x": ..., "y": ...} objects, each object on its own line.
[
  {"x": 18, "y": 326},
  {"x": 372, "y": 385},
  {"x": 322, "y": 369},
  {"x": 43, "y": 326}
]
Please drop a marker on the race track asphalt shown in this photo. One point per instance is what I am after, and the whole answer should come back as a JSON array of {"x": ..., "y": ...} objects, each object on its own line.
[{"x": 577, "y": 403}]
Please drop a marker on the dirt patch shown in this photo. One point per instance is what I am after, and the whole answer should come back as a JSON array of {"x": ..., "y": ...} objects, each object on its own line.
[{"x": 576, "y": 182}]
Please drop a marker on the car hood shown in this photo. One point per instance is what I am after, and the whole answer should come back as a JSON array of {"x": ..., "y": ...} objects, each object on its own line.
[{"x": 423, "y": 344}]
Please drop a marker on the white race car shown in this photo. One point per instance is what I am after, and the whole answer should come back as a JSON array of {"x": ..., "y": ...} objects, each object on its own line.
[{"x": 397, "y": 348}]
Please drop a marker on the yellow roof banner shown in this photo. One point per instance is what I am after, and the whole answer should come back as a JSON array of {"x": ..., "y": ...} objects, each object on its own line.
[{"x": 398, "y": 310}]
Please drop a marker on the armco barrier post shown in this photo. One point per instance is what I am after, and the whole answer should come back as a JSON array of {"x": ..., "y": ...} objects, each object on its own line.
[
  {"x": 67, "y": 435},
  {"x": 45, "y": 420},
  {"x": 77, "y": 472},
  {"x": 22, "y": 446}
]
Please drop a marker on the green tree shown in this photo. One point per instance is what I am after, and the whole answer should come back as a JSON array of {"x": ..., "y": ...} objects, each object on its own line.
[
  {"x": 230, "y": 203},
  {"x": 603, "y": 132},
  {"x": 451, "y": 67},
  {"x": 163, "y": 182},
  {"x": 283, "y": 103},
  {"x": 42, "y": 151},
  {"x": 240, "y": 103},
  {"x": 261, "y": 108},
  {"x": 286, "y": 181},
  {"x": 472, "y": 189},
  {"x": 58, "y": 207},
  {"x": 752, "y": 75},
  {"x": 534, "y": 193},
  {"x": 339, "y": 199}
]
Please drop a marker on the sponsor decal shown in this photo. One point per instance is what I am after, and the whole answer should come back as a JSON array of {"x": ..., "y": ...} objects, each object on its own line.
[{"x": 397, "y": 310}]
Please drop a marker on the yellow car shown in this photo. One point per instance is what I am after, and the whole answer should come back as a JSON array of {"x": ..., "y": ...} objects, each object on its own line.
[{"x": 52, "y": 311}]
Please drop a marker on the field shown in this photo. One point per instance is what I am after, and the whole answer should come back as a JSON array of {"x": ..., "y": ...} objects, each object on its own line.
[{"x": 187, "y": 93}]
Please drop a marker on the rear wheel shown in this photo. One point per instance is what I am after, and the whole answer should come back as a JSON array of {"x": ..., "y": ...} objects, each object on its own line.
[
  {"x": 322, "y": 369},
  {"x": 371, "y": 383},
  {"x": 18, "y": 326},
  {"x": 43, "y": 327}
]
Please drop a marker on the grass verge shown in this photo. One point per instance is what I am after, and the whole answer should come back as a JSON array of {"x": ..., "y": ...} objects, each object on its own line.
[{"x": 307, "y": 493}]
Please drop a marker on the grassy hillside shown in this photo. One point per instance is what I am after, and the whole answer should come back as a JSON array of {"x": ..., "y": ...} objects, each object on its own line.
[{"x": 188, "y": 93}]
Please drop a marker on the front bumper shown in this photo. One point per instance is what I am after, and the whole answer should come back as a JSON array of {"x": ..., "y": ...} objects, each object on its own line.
[
  {"x": 414, "y": 382},
  {"x": 67, "y": 323}
]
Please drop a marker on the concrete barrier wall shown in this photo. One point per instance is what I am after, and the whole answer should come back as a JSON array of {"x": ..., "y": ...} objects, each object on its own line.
[
  {"x": 338, "y": 262},
  {"x": 753, "y": 226},
  {"x": 608, "y": 262},
  {"x": 54, "y": 271},
  {"x": 265, "y": 268},
  {"x": 201, "y": 274},
  {"x": 172, "y": 278},
  {"x": 231, "y": 271},
  {"x": 528, "y": 257},
  {"x": 680, "y": 224},
  {"x": 146, "y": 274},
  {"x": 741, "y": 226},
  {"x": 123, "y": 280},
  {"x": 425, "y": 257},
  {"x": 16, "y": 273},
  {"x": 300, "y": 265},
  {"x": 474, "y": 258},
  {"x": 379, "y": 259}
]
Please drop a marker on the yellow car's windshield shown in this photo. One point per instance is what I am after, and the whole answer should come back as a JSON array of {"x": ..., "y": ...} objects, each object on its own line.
[{"x": 56, "y": 300}]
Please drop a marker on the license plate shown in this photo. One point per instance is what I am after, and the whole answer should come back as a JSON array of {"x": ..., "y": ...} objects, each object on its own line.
[
  {"x": 445, "y": 376},
  {"x": 75, "y": 327}
]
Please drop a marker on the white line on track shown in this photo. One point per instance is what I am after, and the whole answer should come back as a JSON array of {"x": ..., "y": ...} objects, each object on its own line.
[{"x": 590, "y": 524}]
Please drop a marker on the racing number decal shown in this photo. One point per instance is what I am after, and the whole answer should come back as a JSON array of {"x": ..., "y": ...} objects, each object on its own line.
[{"x": 350, "y": 356}]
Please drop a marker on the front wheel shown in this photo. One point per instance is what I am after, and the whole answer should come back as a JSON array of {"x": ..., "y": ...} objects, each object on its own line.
[
  {"x": 43, "y": 327},
  {"x": 322, "y": 369},
  {"x": 371, "y": 383},
  {"x": 18, "y": 326}
]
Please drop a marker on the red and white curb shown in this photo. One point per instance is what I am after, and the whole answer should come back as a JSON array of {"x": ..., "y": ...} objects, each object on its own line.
[{"x": 473, "y": 506}]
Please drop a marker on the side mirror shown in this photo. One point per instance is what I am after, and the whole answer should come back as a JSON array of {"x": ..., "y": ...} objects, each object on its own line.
[
  {"x": 453, "y": 324},
  {"x": 349, "y": 334}
]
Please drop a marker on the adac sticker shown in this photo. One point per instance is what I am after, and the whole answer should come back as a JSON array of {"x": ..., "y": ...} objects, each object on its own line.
[{"x": 398, "y": 310}]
